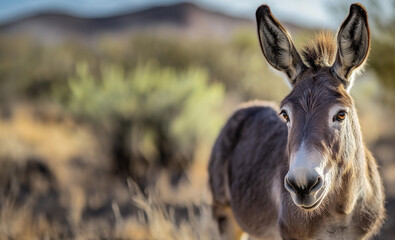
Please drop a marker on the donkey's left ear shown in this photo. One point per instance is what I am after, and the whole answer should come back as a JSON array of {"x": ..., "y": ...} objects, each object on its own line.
[
  {"x": 353, "y": 41},
  {"x": 277, "y": 46}
]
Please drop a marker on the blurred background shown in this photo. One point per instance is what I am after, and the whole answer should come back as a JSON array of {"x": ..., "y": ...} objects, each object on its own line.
[{"x": 109, "y": 109}]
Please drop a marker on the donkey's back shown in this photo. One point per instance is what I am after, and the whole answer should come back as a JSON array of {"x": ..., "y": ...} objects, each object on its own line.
[{"x": 246, "y": 168}]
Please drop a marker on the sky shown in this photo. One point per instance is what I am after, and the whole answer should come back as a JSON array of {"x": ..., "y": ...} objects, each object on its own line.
[{"x": 314, "y": 13}]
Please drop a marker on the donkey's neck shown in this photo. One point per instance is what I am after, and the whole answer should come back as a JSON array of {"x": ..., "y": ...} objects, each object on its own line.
[
  {"x": 360, "y": 198},
  {"x": 354, "y": 184}
]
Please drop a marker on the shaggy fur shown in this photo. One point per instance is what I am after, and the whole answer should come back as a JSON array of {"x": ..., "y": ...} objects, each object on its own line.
[{"x": 321, "y": 51}]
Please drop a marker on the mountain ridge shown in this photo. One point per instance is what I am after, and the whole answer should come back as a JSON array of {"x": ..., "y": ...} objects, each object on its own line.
[{"x": 182, "y": 18}]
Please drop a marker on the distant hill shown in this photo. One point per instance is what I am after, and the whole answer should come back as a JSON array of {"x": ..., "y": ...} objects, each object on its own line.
[{"x": 185, "y": 19}]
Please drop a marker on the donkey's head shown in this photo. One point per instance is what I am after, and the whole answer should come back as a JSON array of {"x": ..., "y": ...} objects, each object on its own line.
[{"x": 323, "y": 129}]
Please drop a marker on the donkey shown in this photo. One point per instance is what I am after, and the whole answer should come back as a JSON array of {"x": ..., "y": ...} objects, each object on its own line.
[{"x": 301, "y": 171}]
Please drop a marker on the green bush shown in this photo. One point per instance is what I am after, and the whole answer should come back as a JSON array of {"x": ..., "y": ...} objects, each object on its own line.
[{"x": 161, "y": 105}]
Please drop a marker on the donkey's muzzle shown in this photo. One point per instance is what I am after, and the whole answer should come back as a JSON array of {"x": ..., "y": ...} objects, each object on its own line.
[{"x": 305, "y": 193}]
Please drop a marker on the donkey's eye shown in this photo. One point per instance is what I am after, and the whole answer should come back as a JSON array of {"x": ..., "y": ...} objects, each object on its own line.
[
  {"x": 340, "y": 116},
  {"x": 285, "y": 115}
]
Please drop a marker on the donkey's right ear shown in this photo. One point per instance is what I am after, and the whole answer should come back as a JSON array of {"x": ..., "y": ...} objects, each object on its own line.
[
  {"x": 353, "y": 40},
  {"x": 277, "y": 45}
]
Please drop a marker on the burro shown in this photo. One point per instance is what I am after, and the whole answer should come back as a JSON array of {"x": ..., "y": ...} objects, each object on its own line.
[{"x": 300, "y": 170}]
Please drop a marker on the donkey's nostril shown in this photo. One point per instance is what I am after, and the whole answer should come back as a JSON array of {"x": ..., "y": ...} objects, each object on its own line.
[
  {"x": 290, "y": 185},
  {"x": 316, "y": 185}
]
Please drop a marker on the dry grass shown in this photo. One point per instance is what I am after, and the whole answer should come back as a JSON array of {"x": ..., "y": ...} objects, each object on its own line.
[
  {"x": 89, "y": 202},
  {"x": 160, "y": 222}
]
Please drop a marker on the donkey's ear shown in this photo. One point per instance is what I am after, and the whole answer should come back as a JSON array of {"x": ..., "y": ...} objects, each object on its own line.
[
  {"x": 277, "y": 45},
  {"x": 353, "y": 41}
]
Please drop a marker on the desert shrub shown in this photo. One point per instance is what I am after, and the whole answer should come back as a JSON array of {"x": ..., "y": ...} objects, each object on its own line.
[{"x": 156, "y": 115}]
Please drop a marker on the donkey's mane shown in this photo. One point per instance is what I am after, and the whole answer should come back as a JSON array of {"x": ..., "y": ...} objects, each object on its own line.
[{"x": 320, "y": 51}]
